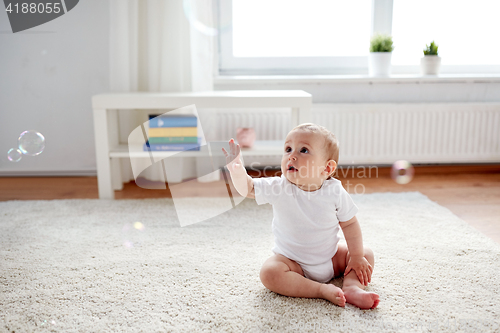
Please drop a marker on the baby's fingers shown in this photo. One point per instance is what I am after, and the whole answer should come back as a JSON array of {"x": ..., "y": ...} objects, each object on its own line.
[
  {"x": 366, "y": 278},
  {"x": 361, "y": 277},
  {"x": 347, "y": 270},
  {"x": 238, "y": 150},
  {"x": 231, "y": 146}
]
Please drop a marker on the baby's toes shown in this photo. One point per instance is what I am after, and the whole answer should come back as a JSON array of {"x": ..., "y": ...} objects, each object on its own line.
[
  {"x": 333, "y": 294},
  {"x": 376, "y": 300}
]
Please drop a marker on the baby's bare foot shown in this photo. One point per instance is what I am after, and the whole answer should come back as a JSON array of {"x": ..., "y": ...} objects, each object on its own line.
[
  {"x": 333, "y": 294},
  {"x": 362, "y": 299}
]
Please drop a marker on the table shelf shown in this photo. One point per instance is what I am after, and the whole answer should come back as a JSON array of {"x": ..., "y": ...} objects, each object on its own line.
[
  {"x": 106, "y": 108},
  {"x": 260, "y": 148}
]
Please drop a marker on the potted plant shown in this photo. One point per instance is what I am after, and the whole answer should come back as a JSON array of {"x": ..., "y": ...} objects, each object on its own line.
[
  {"x": 430, "y": 62},
  {"x": 380, "y": 55}
]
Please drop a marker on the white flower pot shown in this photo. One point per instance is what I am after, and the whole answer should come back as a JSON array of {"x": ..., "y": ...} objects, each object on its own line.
[
  {"x": 429, "y": 65},
  {"x": 380, "y": 63}
]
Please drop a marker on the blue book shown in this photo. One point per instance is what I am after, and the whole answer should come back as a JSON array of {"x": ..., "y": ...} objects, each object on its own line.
[
  {"x": 166, "y": 120},
  {"x": 172, "y": 146}
]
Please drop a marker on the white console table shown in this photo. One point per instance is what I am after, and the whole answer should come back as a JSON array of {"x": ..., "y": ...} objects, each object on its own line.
[{"x": 106, "y": 106}]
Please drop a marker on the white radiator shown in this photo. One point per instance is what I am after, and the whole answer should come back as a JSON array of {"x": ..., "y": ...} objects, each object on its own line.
[
  {"x": 384, "y": 133},
  {"x": 269, "y": 124}
]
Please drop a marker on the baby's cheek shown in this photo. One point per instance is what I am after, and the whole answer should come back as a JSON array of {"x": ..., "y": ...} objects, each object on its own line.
[{"x": 317, "y": 170}]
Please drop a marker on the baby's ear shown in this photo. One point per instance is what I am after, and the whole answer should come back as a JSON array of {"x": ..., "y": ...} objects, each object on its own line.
[{"x": 330, "y": 167}]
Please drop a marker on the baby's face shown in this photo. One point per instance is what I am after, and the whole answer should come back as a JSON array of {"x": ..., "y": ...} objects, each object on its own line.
[{"x": 304, "y": 159}]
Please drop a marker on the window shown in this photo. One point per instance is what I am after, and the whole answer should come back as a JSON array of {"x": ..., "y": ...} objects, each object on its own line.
[
  {"x": 294, "y": 36},
  {"x": 332, "y": 36},
  {"x": 464, "y": 30}
]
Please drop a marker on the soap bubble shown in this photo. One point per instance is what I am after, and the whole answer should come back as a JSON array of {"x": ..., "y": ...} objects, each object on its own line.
[
  {"x": 139, "y": 226},
  {"x": 402, "y": 172},
  {"x": 132, "y": 234},
  {"x": 128, "y": 244},
  {"x": 14, "y": 155},
  {"x": 31, "y": 143}
]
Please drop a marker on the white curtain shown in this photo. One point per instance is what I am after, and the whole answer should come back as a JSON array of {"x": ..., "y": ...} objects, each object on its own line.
[{"x": 158, "y": 46}]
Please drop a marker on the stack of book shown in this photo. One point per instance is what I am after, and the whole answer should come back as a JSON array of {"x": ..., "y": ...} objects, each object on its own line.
[{"x": 172, "y": 133}]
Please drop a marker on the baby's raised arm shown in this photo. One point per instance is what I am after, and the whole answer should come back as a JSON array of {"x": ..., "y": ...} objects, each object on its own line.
[{"x": 241, "y": 180}]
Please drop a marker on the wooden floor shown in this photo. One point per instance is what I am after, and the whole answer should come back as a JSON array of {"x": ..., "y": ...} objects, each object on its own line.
[{"x": 470, "y": 192}]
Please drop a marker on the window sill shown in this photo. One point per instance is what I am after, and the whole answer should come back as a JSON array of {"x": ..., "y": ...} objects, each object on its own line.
[{"x": 318, "y": 79}]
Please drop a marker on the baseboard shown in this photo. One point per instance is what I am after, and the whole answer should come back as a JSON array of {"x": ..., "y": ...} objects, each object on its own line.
[{"x": 50, "y": 173}]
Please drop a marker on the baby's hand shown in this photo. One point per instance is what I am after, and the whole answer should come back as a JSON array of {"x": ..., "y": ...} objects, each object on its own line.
[
  {"x": 233, "y": 161},
  {"x": 362, "y": 268}
]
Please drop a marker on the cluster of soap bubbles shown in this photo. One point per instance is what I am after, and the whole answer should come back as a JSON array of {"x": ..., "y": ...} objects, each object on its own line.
[
  {"x": 53, "y": 322},
  {"x": 132, "y": 234},
  {"x": 29, "y": 143},
  {"x": 402, "y": 172}
]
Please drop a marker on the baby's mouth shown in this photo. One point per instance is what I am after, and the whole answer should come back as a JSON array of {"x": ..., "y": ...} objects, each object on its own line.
[{"x": 291, "y": 168}]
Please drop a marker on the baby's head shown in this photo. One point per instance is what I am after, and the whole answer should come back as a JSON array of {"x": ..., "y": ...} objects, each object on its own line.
[{"x": 311, "y": 155}]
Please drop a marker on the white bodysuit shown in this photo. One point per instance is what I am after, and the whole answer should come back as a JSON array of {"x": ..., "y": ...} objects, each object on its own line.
[{"x": 306, "y": 224}]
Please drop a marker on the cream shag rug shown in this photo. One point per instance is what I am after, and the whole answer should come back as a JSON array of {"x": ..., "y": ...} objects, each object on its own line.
[{"x": 87, "y": 266}]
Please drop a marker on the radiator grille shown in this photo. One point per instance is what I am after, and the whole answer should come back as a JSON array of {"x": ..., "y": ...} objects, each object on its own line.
[
  {"x": 272, "y": 124},
  {"x": 384, "y": 133}
]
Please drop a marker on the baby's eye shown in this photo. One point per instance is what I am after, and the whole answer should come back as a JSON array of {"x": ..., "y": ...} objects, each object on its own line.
[
  {"x": 304, "y": 150},
  {"x": 288, "y": 149}
]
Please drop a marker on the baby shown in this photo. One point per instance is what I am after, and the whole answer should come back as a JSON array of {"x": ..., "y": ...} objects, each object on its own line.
[{"x": 308, "y": 208}]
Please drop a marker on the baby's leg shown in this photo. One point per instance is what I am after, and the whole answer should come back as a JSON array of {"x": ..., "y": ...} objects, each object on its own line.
[
  {"x": 285, "y": 277},
  {"x": 353, "y": 289}
]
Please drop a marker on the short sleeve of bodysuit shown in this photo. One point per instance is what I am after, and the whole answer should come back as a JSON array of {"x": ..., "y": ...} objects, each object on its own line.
[
  {"x": 267, "y": 189},
  {"x": 346, "y": 209}
]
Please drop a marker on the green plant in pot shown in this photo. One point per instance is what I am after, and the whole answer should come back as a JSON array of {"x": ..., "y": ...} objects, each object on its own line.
[
  {"x": 431, "y": 61},
  {"x": 381, "y": 47}
]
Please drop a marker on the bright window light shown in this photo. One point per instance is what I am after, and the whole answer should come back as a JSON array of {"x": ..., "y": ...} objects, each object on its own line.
[
  {"x": 300, "y": 28},
  {"x": 466, "y": 31}
]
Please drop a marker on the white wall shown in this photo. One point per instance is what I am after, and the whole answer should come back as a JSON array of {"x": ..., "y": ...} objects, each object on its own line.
[{"x": 47, "y": 77}]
